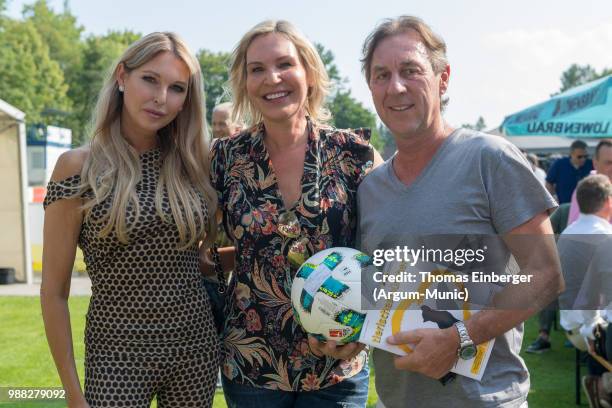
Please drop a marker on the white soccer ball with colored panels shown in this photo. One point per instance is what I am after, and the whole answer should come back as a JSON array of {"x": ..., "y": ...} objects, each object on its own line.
[{"x": 326, "y": 294}]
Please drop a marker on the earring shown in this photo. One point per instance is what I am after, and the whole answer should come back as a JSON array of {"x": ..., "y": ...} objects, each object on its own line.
[{"x": 121, "y": 88}]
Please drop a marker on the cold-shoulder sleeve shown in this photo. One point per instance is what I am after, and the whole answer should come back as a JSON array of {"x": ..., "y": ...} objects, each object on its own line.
[{"x": 62, "y": 189}]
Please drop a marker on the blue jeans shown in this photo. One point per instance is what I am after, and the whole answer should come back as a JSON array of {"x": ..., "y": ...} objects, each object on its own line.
[{"x": 350, "y": 393}]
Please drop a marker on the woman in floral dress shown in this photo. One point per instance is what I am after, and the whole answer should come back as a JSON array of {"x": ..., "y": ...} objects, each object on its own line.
[{"x": 287, "y": 188}]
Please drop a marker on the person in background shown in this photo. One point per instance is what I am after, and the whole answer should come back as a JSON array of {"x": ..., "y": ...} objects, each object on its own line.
[
  {"x": 579, "y": 247},
  {"x": 535, "y": 165},
  {"x": 566, "y": 172},
  {"x": 547, "y": 316},
  {"x": 602, "y": 164},
  {"x": 566, "y": 214},
  {"x": 222, "y": 123}
]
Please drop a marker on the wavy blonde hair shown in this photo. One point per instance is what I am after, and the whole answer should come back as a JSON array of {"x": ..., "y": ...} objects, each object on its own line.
[
  {"x": 244, "y": 110},
  {"x": 112, "y": 169}
]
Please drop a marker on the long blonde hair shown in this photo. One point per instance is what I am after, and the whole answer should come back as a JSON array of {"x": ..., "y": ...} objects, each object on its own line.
[
  {"x": 244, "y": 110},
  {"x": 112, "y": 168}
]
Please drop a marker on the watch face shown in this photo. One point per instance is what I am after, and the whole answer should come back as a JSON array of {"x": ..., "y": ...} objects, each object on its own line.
[{"x": 467, "y": 352}]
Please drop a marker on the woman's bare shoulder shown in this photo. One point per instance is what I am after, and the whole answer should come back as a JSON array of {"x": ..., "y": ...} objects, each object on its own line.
[{"x": 70, "y": 163}]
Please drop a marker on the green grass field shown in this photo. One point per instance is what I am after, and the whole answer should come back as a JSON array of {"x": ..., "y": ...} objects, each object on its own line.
[{"x": 25, "y": 360}]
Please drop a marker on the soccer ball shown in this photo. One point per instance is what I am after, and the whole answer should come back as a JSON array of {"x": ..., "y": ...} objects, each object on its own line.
[{"x": 326, "y": 294}]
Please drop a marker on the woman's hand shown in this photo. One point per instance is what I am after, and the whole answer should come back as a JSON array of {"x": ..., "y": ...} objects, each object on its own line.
[{"x": 82, "y": 403}]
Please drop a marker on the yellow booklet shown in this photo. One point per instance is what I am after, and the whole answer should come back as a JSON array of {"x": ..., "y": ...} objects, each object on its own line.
[{"x": 405, "y": 305}]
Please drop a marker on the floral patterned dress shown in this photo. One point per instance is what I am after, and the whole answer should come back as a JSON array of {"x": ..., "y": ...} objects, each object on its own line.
[{"x": 263, "y": 345}]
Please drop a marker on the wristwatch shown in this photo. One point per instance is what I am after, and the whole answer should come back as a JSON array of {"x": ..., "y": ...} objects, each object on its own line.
[{"x": 467, "y": 349}]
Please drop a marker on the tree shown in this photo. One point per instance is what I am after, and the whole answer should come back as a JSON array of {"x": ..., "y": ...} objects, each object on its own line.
[
  {"x": 99, "y": 56},
  {"x": 479, "y": 125},
  {"x": 333, "y": 72},
  {"x": 577, "y": 75},
  {"x": 60, "y": 32},
  {"x": 215, "y": 70},
  {"x": 84, "y": 62},
  {"x": 347, "y": 112},
  {"x": 62, "y": 35},
  {"x": 31, "y": 80},
  {"x": 3, "y": 17}
]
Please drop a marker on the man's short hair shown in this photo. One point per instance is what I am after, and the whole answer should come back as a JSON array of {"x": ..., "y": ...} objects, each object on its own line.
[
  {"x": 601, "y": 145},
  {"x": 436, "y": 47},
  {"x": 592, "y": 193},
  {"x": 578, "y": 144}
]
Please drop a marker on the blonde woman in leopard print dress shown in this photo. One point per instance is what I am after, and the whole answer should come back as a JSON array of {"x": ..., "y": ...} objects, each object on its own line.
[{"x": 138, "y": 202}]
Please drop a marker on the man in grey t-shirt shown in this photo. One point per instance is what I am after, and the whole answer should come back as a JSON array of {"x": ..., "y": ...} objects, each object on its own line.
[{"x": 446, "y": 181}]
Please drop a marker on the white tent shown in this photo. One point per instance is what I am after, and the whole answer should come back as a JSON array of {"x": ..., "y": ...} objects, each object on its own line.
[{"x": 14, "y": 237}]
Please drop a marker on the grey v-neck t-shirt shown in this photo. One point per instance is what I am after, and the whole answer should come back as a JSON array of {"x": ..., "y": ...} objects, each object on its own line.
[{"x": 474, "y": 184}]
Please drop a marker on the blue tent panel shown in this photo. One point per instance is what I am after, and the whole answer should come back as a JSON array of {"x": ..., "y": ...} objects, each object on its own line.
[{"x": 583, "y": 111}]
